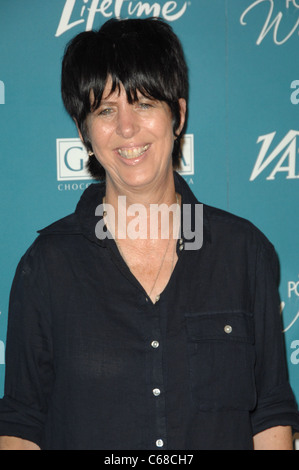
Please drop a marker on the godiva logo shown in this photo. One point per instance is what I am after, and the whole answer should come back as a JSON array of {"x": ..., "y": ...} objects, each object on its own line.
[{"x": 72, "y": 158}]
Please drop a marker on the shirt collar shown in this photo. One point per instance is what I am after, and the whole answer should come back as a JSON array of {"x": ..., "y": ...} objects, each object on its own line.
[{"x": 189, "y": 202}]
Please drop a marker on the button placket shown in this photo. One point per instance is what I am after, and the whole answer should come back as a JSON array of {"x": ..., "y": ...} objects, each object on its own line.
[{"x": 157, "y": 375}]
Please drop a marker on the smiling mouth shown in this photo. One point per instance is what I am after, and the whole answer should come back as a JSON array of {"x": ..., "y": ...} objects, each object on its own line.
[{"x": 133, "y": 152}]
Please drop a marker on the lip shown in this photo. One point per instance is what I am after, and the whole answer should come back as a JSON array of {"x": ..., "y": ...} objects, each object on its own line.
[{"x": 126, "y": 154}]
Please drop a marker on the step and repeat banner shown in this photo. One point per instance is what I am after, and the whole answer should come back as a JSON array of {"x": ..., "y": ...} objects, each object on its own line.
[{"x": 242, "y": 140}]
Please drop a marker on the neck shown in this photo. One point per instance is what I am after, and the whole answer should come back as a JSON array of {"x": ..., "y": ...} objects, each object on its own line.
[
  {"x": 158, "y": 192},
  {"x": 150, "y": 213}
]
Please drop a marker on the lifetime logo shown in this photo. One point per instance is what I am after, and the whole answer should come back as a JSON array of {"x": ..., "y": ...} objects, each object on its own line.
[
  {"x": 285, "y": 152},
  {"x": 72, "y": 158},
  {"x": 170, "y": 11},
  {"x": 2, "y": 92}
]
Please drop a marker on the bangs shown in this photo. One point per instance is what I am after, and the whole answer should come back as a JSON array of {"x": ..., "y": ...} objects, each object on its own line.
[
  {"x": 133, "y": 65},
  {"x": 144, "y": 56},
  {"x": 133, "y": 89}
]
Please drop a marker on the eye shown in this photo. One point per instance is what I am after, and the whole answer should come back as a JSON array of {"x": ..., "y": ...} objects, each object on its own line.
[
  {"x": 105, "y": 111},
  {"x": 145, "y": 105}
]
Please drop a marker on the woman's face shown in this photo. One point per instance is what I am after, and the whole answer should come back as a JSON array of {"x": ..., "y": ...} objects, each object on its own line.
[{"x": 133, "y": 142}]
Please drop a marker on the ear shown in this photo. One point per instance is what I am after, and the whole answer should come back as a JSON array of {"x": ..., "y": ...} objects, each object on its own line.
[
  {"x": 79, "y": 132},
  {"x": 183, "y": 110}
]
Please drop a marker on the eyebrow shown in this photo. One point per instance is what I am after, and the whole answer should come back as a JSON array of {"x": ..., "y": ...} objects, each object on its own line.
[
  {"x": 111, "y": 102},
  {"x": 105, "y": 102}
]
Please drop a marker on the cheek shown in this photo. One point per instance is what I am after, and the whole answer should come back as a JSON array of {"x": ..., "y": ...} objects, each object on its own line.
[
  {"x": 162, "y": 128},
  {"x": 166, "y": 135},
  {"x": 100, "y": 136}
]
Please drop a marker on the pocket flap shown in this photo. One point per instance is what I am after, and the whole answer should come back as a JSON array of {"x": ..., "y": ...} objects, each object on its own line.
[{"x": 220, "y": 326}]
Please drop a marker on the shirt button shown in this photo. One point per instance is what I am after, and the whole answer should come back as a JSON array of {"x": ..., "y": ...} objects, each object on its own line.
[
  {"x": 181, "y": 247},
  {"x": 228, "y": 329},
  {"x": 159, "y": 443},
  {"x": 156, "y": 392},
  {"x": 155, "y": 344},
  {"x": 157, "y": 298}
]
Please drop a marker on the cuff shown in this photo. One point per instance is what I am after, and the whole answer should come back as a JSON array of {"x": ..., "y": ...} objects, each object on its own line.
[
  {"x": 278, "y": 408},
  {"x": 20, "y": 421}
]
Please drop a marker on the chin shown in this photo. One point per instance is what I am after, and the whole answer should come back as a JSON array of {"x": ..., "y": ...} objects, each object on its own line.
[
  {"x": 138, "y": 181},
  {"x": 141, "y": 179}
]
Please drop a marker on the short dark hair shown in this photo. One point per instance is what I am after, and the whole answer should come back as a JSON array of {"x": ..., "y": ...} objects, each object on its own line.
[{"x": 144, "y": 55}]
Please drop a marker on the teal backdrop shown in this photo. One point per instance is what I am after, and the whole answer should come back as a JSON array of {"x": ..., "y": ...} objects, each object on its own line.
[{"x": 242, "y": 142}]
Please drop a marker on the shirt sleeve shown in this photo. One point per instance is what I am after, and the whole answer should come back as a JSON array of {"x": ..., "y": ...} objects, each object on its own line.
[
  {"x": 276, "y": 405},
  {"x": 29, "y": 364}
]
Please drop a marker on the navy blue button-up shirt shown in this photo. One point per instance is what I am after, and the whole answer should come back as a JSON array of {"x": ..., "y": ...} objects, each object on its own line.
[{"x": 92, "y": 363}]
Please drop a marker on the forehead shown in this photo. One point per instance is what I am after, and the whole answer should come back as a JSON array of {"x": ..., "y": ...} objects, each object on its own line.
[{"x": 114, "y": 91}]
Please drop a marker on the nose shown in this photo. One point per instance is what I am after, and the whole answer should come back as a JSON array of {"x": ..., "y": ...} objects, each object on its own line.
[{"x": 127, "y": 122}]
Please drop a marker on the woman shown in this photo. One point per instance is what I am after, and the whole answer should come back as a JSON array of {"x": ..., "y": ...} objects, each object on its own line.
[
  {"x": 129, "y": 342},
  {"x": 132, "y": 127}
]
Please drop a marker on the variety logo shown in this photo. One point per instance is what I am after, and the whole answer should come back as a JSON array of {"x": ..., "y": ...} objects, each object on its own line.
[
  {"x": 2, "y": 92},
  {"x": 273, "y": 22},
  {"x": 284, "y": 155},
  {"x": 76, "y": 12},
  {"x": 72, "y": 158},
  {"x": 295, "y": 94}
]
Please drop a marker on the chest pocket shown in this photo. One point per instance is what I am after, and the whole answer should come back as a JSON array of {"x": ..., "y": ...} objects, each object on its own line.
[{"x": 221, "y": 360}]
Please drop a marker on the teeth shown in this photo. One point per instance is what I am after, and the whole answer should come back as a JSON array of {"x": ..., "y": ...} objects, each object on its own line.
[{"x": 133, "y": 153}]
